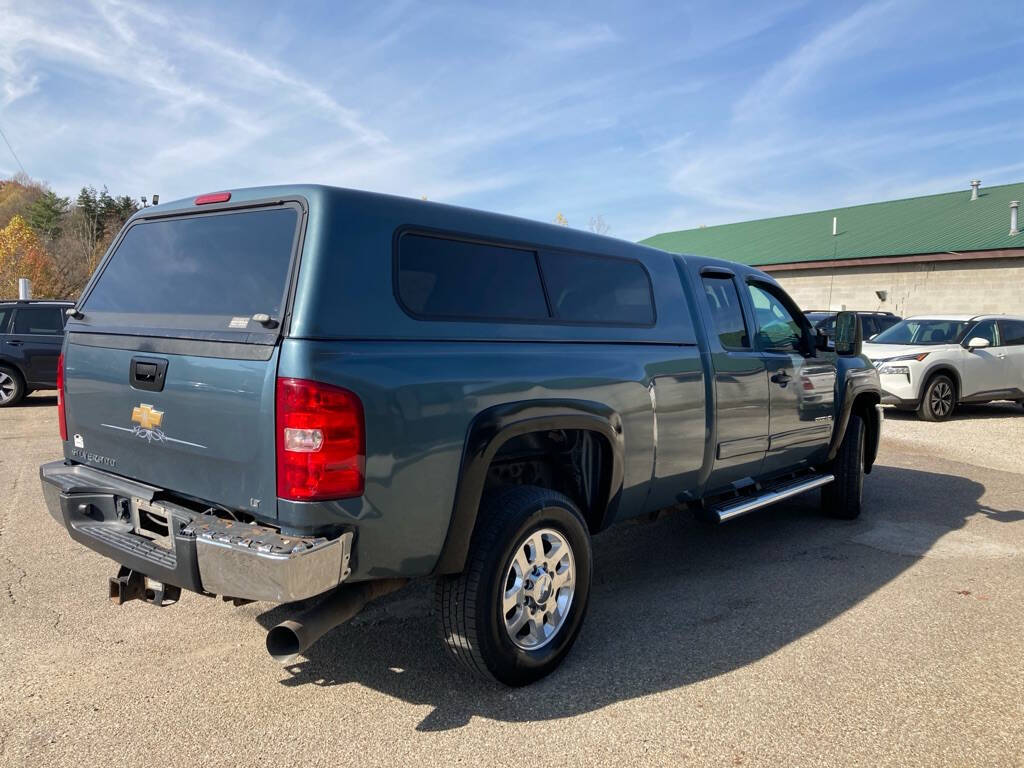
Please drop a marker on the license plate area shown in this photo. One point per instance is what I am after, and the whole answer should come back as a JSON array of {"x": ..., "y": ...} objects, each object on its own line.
[{"x": 153, "y": 521}]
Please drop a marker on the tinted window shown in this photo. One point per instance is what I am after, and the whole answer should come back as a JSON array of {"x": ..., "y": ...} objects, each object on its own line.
[
  {"x": 39, "y": 320},
  {"x": 776, "y": 328},
  {"x": 3, "y": 320},
  {"x": 726, "y": 313},
  {"x": 828, "y": 325},
  {"x": 816, "y": 318},
  {"x": 1013, "y": 332},
  {"x": 915, "y": 331},
  {"x": 456, "y": 279},
  {"x": 591, "y": 289},
  {"x": 208, "y": 272},
  {"x": 986, "y": 329}
]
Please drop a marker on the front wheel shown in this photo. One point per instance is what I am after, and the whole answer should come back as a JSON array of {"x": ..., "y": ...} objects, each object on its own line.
[
  {"x": 515, "y": 611},
  {"x": 938, "y": 400},
  {"x": 842, "y": 497}
]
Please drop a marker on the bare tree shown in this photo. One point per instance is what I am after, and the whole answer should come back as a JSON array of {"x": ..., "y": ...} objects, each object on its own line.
[{"x": 598, "y": 225}]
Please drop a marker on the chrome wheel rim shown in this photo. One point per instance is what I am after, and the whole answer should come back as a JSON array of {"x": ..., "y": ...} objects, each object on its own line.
[
  {"x": 540, "y": 582},
  {"x": 941, "y": 399},
  {"x": 7, "y": 388}
]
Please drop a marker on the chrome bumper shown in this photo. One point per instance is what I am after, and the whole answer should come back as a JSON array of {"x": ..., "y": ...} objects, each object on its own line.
[
  {"x": 202, "y": 552},
  {"x": 259, "y": 563}
]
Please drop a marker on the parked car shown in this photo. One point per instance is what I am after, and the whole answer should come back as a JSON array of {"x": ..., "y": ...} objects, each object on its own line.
[
  {"x": 31, "y": 334},
  {"x": 931, "y": 364},
  {"x": 872, "y": 322},
  {"x": 268, "y": 393}
]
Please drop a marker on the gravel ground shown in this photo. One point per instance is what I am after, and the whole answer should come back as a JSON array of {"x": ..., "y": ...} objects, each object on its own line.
[{"x": 783, "y": 638}]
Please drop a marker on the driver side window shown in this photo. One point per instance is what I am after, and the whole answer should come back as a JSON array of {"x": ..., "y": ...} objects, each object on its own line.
[
  {"x": 986, "y": 329},
  {"x": 776, "y": 328}
]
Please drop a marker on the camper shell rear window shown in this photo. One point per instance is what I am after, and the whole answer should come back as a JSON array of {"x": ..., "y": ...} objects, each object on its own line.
[{"x": 198, "y": 276}]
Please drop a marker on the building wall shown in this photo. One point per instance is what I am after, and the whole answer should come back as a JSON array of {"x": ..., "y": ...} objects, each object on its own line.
[{"x": 976, "y": 286}]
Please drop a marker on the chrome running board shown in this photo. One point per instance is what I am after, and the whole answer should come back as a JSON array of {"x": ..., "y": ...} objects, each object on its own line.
[{"x": 769, "y": 495}]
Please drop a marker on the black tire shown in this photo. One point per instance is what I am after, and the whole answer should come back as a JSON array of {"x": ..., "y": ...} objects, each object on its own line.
[
  {"x": 12, "y": 386},
  {"x": 842, "y": 497},
  {"x": 469, "y": 603},
  {"x": 938, "y": 401}
]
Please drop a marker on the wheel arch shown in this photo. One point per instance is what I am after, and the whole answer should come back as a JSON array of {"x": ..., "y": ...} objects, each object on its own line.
[
  {"x": 861, "y": 394},
  {"x": 494, "y": 428},
  {"x": 938, "y": 369}
]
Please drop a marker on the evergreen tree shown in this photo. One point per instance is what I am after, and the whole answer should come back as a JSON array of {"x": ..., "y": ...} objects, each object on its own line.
[{"x": 46, "y": 214}]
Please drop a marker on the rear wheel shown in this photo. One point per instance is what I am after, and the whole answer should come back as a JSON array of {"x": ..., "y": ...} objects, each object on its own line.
[
  {"x": 516, "y": 610},
  {"x": 12, "y": 388},
  {"x": 938, "y": 400},
  {"x": 842, "y": 497}
]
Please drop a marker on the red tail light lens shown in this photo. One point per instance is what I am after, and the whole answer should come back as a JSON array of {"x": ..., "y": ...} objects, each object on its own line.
[
  {"x": 62, "y": 418},
  {"x": 321, "y": 441},
  {"x": 213, "y": 197}
]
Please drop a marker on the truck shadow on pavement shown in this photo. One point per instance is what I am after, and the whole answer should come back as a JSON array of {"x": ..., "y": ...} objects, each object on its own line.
[{"x": 673, "y": 603}]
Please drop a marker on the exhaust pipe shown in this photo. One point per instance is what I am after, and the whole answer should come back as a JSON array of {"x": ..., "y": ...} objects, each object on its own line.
[{"x": 290, "y": 638}]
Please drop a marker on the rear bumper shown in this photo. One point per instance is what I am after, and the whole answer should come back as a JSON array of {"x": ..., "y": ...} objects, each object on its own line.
[{"x": 203, "y": 553}]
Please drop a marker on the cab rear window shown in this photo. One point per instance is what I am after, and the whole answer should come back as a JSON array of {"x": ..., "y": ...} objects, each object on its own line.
[{"x": 197, "y": 273}]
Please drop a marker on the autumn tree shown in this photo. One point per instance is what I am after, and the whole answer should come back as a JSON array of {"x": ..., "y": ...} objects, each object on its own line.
[
  {"x": 22, "y": 255},
  {"x": 17, "y": 195}
]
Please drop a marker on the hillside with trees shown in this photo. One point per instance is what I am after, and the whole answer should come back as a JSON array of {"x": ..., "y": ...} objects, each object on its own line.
[{"x": 55, "y": 241}]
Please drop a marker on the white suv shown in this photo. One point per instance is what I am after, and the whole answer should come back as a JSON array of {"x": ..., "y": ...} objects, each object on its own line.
[{"x": 930, "y": 364}]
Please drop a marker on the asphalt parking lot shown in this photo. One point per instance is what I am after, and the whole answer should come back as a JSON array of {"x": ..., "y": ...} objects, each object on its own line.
[{"x": 783, "y": 638}]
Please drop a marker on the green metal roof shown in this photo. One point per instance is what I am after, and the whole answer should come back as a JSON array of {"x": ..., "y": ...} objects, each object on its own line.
[{"x": 916, "y": 225}]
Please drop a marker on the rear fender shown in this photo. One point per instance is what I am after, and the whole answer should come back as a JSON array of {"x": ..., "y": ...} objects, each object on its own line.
[{"x": 495, "y": 426}]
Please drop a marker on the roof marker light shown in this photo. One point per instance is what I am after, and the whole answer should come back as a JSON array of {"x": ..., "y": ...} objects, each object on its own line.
[{"x": 213, "y": 197}]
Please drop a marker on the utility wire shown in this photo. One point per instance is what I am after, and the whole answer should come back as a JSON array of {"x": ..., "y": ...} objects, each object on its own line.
[{"x": 13, "y": 153}]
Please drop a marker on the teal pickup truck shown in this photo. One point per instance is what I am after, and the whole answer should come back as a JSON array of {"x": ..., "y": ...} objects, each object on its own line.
[{"x": 305, "y": 392}]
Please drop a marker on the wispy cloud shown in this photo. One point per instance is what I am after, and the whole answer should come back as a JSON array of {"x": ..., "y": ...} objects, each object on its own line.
[
  {"x": 680, "y": 115},
  {"x": 854, "y": 34}
]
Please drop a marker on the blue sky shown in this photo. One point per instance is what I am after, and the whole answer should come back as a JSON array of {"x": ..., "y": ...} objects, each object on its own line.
[{"x": 655, "y": 116}]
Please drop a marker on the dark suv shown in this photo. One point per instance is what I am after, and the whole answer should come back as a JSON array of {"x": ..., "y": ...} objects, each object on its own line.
[
  {"x": 31, "y": 334},
  {"x": 872, "y": 323}
]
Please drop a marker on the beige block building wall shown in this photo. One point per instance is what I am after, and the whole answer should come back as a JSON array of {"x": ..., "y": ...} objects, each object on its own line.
[{"x": 976, "y": 286}]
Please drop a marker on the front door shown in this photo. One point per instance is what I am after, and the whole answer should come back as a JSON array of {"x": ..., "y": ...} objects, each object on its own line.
[
  {"x": 984, "y": 370},
  {"x": 801, "y": 381},
  {"x": 741, "y": 386}
]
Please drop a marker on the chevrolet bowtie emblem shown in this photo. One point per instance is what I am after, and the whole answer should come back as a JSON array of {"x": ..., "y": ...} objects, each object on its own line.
[{"x": 146, "y": 416}]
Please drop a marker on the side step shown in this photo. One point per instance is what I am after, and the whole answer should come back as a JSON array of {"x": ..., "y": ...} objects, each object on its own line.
[{"x": 727, "y": 510}]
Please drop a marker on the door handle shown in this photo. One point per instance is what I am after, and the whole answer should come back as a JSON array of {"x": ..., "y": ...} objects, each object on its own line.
[
  {"x": 782, "y": 378},
  {"x": 16, "y": 343}
]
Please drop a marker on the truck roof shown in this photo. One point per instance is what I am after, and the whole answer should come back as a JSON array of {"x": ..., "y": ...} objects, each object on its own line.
[
  {"x": 36, "y": 302},
  {"x": 322, "y": 192}
]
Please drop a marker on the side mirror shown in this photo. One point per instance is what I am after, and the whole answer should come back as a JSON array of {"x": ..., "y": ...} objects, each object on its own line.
[
  {"x": 820, "y": 340},
  {"x": 977, "y": 342},
  {"x": 849, "y": 336}
]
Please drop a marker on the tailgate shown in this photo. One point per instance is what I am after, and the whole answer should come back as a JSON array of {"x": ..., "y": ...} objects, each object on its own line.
[
  {"x": 170, "y": 365},
  {"x": 209, "y": 433}
]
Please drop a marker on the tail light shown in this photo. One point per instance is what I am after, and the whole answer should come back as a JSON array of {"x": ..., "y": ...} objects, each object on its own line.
[
  {"x": 321, "y": 441},
  {"x": 212, "y": 197},
  {"x": 62, "y": 417}
]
